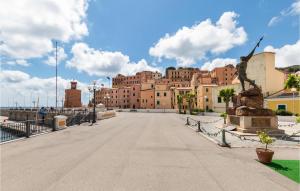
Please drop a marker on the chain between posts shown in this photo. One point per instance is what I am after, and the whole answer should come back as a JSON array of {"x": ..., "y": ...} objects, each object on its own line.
[{"x": 241, "y": 137}]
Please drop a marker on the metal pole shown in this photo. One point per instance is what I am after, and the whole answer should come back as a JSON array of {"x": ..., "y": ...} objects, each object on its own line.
[
  {"x": 56, "y": 75},
  {"x": 94, "y": 110}
]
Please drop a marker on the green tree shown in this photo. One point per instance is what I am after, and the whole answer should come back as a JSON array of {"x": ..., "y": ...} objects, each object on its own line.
[
  {"x": 179, "y": 102},
  {"x": 293, "y": 81},
  {"x": 226, "y": 94},
  {"x": 190, "y": 99}
]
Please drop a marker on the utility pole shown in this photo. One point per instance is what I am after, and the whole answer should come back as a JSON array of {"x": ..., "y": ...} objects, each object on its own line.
[{"x": 56, "y": 75}]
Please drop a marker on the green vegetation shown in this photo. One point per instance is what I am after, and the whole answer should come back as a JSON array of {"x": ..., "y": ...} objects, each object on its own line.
[
  {"x": 283, "y": 112},
  {"x": 297, "y": 119},
  {"x": 293, "y": 81},
  {"x": 264, "y": 138},
  {"x": 288, "y": 168},
  {"x": 190, "y": 99},
  {"x": 179, "y": 102},
  {"x": 227, "y": 94}
]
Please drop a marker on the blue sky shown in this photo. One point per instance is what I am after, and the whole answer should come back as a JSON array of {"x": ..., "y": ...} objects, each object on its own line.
[{"x": 109, "y": 36}]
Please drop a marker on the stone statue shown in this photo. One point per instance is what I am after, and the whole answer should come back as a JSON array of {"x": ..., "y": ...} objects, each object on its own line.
[{"x": 242, "y": 67}]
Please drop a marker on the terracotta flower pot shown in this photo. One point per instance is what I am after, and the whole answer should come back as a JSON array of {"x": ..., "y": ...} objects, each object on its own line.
[{"x": 264, "y": 156}]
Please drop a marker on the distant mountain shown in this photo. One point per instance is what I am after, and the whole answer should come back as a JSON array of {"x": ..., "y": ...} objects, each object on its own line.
[{"x": 290, "y": 69}]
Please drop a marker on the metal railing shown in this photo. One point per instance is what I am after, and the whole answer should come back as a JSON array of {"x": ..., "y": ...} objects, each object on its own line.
[{"x": 14, "y": 130}]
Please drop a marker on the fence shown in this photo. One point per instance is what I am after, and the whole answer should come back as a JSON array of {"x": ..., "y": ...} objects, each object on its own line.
[
  {"x": 199, "y": 124},
  {"x": 14, "y": 130}
]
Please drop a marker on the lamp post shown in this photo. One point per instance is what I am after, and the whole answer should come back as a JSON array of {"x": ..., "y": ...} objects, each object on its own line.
[
  {"x": 93, "y": 89},
  {"x": 293, "y": 91},
  {"x": 107, "y": 97}
]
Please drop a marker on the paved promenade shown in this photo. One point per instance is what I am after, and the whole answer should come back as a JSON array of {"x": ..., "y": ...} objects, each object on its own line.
[{"x": 135, "y": 152}]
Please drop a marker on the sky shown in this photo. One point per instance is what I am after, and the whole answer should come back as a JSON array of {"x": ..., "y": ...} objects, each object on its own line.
[{"x": 100, "y": 38}]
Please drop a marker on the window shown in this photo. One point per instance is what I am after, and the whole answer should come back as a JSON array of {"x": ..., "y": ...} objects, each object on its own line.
[
  {"x": 281, "y": 107},
  {"x": 206, "y": 99},
  {"x": 219, "y": 100},
  {"x": 157, "y": 94},
  {"x": 165, "y": 94},
  {"x": 146, "y": 101},
  {"x": 157, "y": 102},
  {"x": 133, "y": 94},
  {"x": 206, "y": 89}
]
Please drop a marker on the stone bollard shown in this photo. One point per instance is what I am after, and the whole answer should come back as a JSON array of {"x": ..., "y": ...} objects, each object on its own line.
[
  {"x": 224, "y": 143},
  {"x": 199, "y": 126},
  {"x": 187, "y": 121}
]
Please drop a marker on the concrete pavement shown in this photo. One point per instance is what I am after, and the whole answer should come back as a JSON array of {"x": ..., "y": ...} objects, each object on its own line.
[{"x": 135, "y": 151}]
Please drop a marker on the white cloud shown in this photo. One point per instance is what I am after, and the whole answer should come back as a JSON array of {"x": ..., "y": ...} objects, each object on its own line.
[
  {"x": 288, "y": 55},
  {"x": 188, "y": 45},
  {"x": 273, "y": 21},
  {"x": 218, "y": 62},
  {"x": 20, "y": 62},
  {"x": 295, "y": 8},
  {"x": 29, "y": 26},
  {"x": 21, "y": 87},
  {"x": 13, "y": 76},
  {"x": 104, "y": 63},
  {"x": 61, "y": 56}
]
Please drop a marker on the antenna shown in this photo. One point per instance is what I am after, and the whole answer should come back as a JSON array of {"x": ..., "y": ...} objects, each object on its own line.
[{"x": 56, "y": 75}]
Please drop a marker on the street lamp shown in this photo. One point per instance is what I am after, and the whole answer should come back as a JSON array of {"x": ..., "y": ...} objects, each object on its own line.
[
  {"x": 107, "y": 97},
  {"x": 92, "y": 88},
  {"x": 293, "y": 91}
]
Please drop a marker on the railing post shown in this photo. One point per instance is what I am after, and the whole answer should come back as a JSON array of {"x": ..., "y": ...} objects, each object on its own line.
[
  {"x": 224, "y": 143},
  {"x": 27, "y": 127},
  {"x": 199, "y": 126},
  {"x": 187, "y": 121},
  {"x": 53, "y": 124}
]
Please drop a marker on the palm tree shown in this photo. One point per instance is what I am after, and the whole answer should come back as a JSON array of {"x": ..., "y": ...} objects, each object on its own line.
[
  {"x": 190, "y": 99},
  {"x": 226, "y": 94},
  {"x": 293, "y": 81},
  {"x": 179, "y": 102}
]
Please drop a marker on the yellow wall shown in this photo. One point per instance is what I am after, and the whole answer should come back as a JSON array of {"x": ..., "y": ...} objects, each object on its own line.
[{"x": 272, "y": 104}]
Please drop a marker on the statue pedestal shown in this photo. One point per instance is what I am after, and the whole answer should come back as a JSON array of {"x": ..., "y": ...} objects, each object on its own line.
[{"x": 252, "y": 124}]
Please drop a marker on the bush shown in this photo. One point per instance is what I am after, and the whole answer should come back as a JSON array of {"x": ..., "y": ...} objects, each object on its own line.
[
  {"x": 196, "y": 110},
  {"x": 210, "y": 110},
  {"x": 284, "y": 112},
  {"x": 264, "y": 138},
  {"x": 297, "y": 119},
  {"x": 224, "y": 115}
]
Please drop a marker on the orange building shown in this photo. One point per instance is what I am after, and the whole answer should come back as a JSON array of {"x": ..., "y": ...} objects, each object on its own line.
[
  {"x": 147, "y": 95},
  {"x": 180, "y": 74},
  {"x": 224, "y": 75},
  {"x": 140, "y": 77},
  {"x": 72, "y": 96}
]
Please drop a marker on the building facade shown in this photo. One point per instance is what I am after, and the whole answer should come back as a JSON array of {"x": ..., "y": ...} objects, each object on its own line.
[
  {"x": 72, "y": 96},
  {"x": 224, "y": 75}
]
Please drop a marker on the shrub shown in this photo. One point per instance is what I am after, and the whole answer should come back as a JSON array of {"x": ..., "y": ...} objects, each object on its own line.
[
  {"x": 264, "y": 138},
  {"x": 284, "y": 112},
  {"x": 297, "y": 119},
  {"x": 210, "y": 110},
  {"x": 196, "y": 110},
  {"x": 224, "y": 115}
]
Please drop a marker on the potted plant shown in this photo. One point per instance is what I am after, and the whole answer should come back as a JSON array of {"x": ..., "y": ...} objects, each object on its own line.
[{"x": 264, "y": 155}]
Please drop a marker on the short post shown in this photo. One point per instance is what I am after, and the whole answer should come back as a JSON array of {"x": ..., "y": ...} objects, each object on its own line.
[
  {"x": 53, "y": 125},
  {"x": 27, "y": 127},
  {"x": 187, "y": 121},
  {"x": 224, "y": 143},
  {"x": 199, "y": 126}
]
